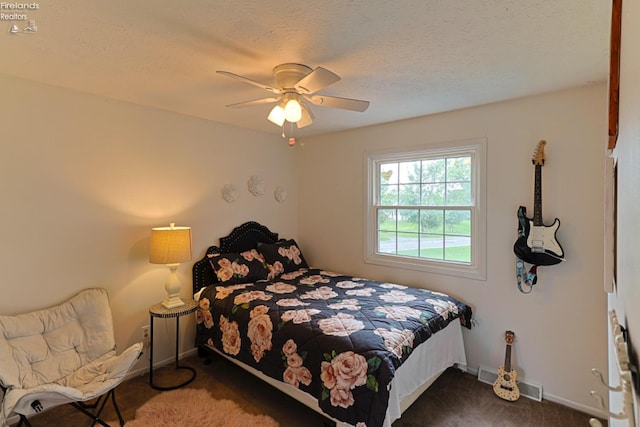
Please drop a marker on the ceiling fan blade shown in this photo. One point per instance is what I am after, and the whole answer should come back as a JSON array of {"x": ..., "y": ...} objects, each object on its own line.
[
  {"x": 307, "y": 116},
  {"x": 316, "y": 80},
  {"x": 336, "y": 102},
  {"x": 249, "y": 81},
  {"x": 254, "y": 102}
]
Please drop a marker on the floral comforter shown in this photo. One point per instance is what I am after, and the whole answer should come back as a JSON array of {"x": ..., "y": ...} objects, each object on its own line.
[{"x": 336, "y": 337}]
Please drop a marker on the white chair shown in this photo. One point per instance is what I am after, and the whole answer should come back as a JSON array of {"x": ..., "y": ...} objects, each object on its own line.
[{"x": 62, "y": 354}]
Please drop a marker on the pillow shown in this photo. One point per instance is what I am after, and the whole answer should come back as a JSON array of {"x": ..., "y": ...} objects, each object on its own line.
[
  {"x": 282, "y": 257},
  {"x": 241, "y": 267}
]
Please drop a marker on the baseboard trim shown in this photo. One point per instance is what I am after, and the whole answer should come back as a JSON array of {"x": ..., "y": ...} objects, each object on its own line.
[
  {"x": 593, "y": 411},
  {"x": 145, "y": 369},
  {"x": 596, "y": 412}
]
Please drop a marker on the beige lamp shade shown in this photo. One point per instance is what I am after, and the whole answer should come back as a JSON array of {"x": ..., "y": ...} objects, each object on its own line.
[{"x": 170, "y": 245}]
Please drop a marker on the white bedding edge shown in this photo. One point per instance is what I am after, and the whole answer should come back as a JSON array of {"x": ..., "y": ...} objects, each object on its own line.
[{"x": 420, "y": 370}]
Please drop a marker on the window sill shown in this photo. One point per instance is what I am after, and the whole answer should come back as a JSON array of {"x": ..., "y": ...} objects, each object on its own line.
[{"x": 447, "y": 268}]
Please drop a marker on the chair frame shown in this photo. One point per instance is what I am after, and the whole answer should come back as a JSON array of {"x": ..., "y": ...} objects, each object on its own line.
[
  {"x": 93, "y": 401},
  {"x": 86, "y": 409}
]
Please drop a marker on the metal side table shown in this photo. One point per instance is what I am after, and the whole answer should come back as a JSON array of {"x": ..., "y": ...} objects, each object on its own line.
[{"x": 158, "y": 310}]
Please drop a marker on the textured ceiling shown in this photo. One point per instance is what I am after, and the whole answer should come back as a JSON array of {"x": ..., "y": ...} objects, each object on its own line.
[{"x": 408, "y": 58}]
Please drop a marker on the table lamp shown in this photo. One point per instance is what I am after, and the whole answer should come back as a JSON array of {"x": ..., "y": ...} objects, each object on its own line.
[{"x": 171, "y": 246}]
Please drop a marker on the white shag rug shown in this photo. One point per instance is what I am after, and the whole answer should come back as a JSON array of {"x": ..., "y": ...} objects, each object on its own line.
[{"x": 194, "y": 407}]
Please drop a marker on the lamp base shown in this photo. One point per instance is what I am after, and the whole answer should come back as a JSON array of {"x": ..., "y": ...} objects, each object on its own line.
[
  {"x": 172, "y": 302},
  {"x": 172, "y": 287}
]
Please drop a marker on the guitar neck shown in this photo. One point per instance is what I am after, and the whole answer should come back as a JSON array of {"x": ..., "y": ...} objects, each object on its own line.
[
  {"x": 507, "y": 358},
  {"x": 537, "y": 197}
]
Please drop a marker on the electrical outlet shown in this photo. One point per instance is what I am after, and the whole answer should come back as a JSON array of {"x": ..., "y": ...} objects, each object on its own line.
[
  {"x": 146, "y": 339},
  {"x": 145, "y": 334}
]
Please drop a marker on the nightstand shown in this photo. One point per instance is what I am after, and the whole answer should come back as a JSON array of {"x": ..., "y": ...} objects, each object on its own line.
[{"x": 158, "y": 310}]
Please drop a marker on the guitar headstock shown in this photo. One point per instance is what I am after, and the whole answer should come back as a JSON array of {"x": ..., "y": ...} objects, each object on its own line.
[
  {"x": 509, "y": 337},
  {"x": 538, "y": 155}
]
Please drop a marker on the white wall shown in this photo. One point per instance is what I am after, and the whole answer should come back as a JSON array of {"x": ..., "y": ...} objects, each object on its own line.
[
  {"x": 559, "y": 327},
  {"x": 626, "y": 299},
  {"x": 83, "y": 179}
]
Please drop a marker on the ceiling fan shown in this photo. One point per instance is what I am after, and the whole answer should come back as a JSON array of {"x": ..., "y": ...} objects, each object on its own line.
[{"x": 295, "y": 88}]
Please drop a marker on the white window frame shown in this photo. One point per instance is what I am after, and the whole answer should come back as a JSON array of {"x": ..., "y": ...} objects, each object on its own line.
[{"x": 477, "y": 149}]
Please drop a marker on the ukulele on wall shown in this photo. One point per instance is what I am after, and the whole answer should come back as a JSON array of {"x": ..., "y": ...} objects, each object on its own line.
[
  {"x": 537, "y": 243},
  {"x": 505, "y": 385}
]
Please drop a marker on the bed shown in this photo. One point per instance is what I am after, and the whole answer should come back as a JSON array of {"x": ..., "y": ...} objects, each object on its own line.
[{"x": 357, "y": 351}]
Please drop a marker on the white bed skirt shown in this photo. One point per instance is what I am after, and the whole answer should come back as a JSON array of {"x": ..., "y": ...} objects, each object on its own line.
[{"x": 417, "y": 373}]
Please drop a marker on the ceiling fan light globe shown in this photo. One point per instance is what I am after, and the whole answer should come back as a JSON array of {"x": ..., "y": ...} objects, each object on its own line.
[
  {"x": 292, "y": 111},
  {"x": 277, "y": 115}
]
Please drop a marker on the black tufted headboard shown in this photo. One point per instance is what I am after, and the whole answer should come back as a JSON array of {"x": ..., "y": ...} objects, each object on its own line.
[{"x": 242, "y": 238}]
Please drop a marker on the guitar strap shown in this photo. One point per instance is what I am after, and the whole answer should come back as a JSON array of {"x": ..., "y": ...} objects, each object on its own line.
[{"x": 525, "y": 279}]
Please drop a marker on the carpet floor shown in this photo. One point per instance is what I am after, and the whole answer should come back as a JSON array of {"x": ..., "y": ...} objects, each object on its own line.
[
  {"x": 188, "y": 407},
  {"x": 455, "y": 399}
]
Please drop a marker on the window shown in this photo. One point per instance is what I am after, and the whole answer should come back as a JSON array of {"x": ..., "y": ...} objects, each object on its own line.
[{"x": 426, "y": 208}]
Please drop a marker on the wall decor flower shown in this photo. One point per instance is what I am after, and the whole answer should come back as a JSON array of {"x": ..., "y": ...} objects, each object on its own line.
[
  {"x": 280, "y": 194},
  {"x": 230, "y": 193},
  {"x": 256, "y": 185}
]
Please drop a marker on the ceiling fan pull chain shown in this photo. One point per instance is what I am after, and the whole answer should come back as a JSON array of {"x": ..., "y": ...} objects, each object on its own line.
[{"x": 292, "y": 140}]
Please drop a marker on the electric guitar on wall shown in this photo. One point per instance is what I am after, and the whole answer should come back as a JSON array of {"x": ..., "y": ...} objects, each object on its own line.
[
  {"x": 537, "y": 243},
  {"x": 505, "y": 385}
]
